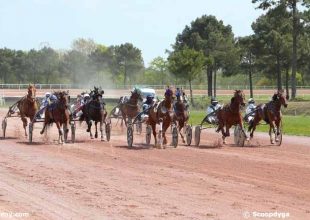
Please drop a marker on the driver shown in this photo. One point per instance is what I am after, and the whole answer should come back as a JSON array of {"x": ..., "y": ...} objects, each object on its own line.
[
  {"x": 45, "y": 102},
  {"x": 148, "y": 102},
  {"x": 250, "y": 110},
  {"x": 212, "y": 119}
]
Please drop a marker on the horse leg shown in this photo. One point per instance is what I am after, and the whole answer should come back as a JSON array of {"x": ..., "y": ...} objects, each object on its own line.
[
  {"x": 60, "y": 133},
  {"x": 46, "y": 120},
  {"x": 153, "y": 125},
  {"x": 124, "y": 118},
  {"x": 270, "y": 135},
  {"x": 25, "y": 123},
  {"x": 101, "y": 130},
  {"x": 96, "y": 131},
  {"x": 89, "y": 128}
]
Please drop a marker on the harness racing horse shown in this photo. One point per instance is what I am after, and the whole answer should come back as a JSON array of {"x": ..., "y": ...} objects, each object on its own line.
[
  {"x": 230, "y": 114},
  {"x": 94, "y": 110},
  {"x": 131, "y": 107},
  {"x": 28, "y": 106},
  {"x": 271, "y": 114},
  {"x": 59, "y": 113},
  {"x": 162, "y": 114},
  {"x": 181, "y": 114}
]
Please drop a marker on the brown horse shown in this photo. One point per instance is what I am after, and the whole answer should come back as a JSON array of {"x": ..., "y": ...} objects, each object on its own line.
[
  {"x": 230, "y": 114},
  {"x": 181, "y": 114},
  {"x": 28, "y": 106},
  {"x": 162, "y": 114},
  {"x": 58, "y": 112},
  {"x": 271, "y": 114},
  {"x": 94, "y": 110},
  {"x": 131, "y": 108}
]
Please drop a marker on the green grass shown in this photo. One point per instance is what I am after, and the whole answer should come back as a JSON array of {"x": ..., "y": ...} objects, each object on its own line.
[{"x": 292, "y": 125}]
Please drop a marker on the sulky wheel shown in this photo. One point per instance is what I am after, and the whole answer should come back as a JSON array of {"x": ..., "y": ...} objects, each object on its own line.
[
  {"x": 239, "y": 137},
  {"x": 175, "y": 136},
  {"x": 129, "y": 135},
  {"x": 73, "y": 128},
  {"x": 4, "y": 124},
  {"x": 197, "y": 135},
  {"x": 189, "y": 135},
  {"x": 108, "y": 131},
  {"x": 148, "y": 134},
  {"x": 30, "y": 132}
]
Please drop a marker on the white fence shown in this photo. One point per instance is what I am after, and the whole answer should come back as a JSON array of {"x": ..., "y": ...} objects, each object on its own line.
[{"x": 196, "y": 87}]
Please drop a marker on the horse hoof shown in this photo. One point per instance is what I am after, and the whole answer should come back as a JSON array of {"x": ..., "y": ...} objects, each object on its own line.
[
  {"x": 272, "y": 142},
  {"x": 87, "y": 130},
  {"x": 96, "y": 135}
]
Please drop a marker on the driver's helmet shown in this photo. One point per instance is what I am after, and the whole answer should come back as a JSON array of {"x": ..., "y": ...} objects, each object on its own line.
[
  {"x": 178, "y": 93},
  {"x": 149, "y": 98},
  {"x": 251, "y": 101},
  {"x": 86, "y": 96},
  {"x": 53, "y": 97},
  {"x": 214, "y": 102},
  {"x": 168, "y": 92},
  {"x": 47, "y": 95}
]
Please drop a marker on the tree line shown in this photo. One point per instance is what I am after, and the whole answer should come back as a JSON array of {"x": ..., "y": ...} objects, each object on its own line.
[{"x": 278, "y": 50}]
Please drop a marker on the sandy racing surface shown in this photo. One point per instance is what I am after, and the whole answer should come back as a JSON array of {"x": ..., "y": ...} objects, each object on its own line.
[{"x": 91, "y": 179}]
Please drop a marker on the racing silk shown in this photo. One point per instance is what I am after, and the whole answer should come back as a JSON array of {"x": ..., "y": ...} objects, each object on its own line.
[
  {"x": 147, "y": 104},
  {"x": 251, "y": 107},
  {"x": 212, "y": 108},
  {"x": 45, "y": 102}
]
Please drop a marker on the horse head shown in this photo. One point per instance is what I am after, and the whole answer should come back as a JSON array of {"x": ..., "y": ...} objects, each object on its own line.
[
  {"x": 279, "y": 97},
  {"x": 238, "y": 98},
  {"x": 31, "y": 93},
  {"x": 63, "y": 97},
  {"x": 169, "y": 95},
  {"x": 136, "y": 95}
]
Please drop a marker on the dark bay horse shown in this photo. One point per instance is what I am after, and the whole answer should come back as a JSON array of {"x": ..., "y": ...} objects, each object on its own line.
[
  {"x": 131, "y": 108},
  {"x": 28, "y": 106},
  {"x": 271, "y": 114},
  {"x": 59, "y": 113},
  {"x": 94, "y": 110},
  {"x": 162, "y": 114},
  {"x": 181, "y": 114},
  {"x": 230, "y": 114}
]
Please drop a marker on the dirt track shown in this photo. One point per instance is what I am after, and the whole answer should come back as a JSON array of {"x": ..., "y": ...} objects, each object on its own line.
[{"x": 100, "y": 180}]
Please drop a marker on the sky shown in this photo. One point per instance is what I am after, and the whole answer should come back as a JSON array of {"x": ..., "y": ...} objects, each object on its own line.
[{"x": 150, "y": 25}]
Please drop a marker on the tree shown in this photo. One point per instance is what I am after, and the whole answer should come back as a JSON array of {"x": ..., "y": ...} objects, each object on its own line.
[
  {"x": 101, "y": 61},
  {"x": 49, "y": 64},
  {"x": 75, "y": 64},
  {"x": 291, "y": 4},
  {"x": 84, "y": 46},
  {"x": 271, "y": 34},
  {"x": 247, "y": 57},
  {"x": 160, "y": 65},
  {"x": 187, "y": 63},
  {"x": 6, "y": 57},
  {"x": 129, "y": 61},
  {"x": 215, "y": 40}
]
